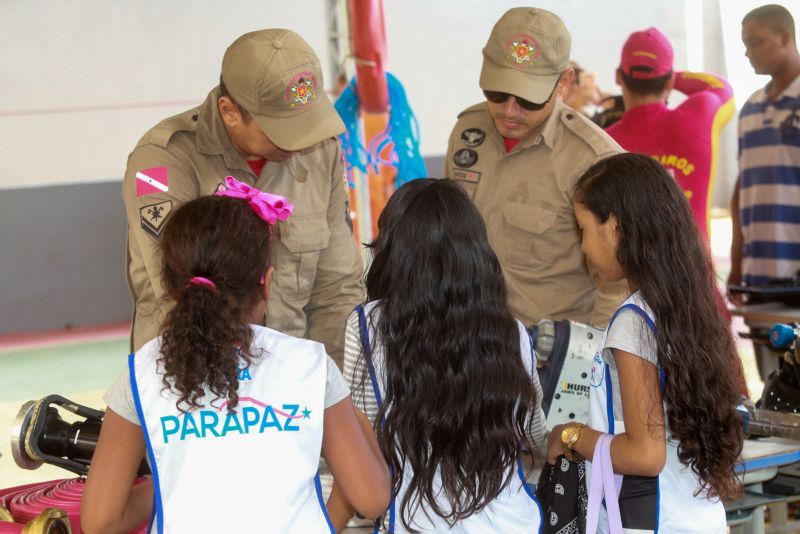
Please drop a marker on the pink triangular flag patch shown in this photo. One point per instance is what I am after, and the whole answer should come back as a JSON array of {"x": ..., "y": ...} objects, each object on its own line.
[{"x": 154, "y": 180}]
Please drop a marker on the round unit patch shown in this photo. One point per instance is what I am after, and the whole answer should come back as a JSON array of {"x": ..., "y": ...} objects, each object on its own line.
[
  {"x": 466, "y": 157},
  {"x": 472, "y": 136},
  {"x": 522, "y": 50},
  {"x": 301, "y": 91}
]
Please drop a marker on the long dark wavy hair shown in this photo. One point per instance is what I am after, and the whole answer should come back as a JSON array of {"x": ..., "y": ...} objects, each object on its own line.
[
  {"x": 206, "y": 336},
  {"x": 663, "y": 255},
  {"x": 457, "y": 393}
]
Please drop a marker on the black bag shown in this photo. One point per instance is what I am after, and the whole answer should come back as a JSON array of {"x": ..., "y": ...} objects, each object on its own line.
[{"x": 561, "y": 492}]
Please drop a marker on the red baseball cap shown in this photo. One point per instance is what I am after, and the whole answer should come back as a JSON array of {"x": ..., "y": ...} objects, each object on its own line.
[{"x": 646, "y": 55}]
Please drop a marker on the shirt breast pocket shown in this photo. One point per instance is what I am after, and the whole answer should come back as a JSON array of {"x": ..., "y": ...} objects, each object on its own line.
[
  {"x": 303, "y": 238},
  {"x": 528, "y": 227}
]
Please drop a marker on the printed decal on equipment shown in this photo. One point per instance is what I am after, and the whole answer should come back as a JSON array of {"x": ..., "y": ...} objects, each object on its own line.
[
  {"x": 302, "y": 90},
  {"x": 466, "y": 157},
  {"x": 154, "y": 180},
  {"x": 201, "y": 424},
  {"x": 467, "y": 176},
  {"x": 472, "y": 137},
  {"x": 154, "y": 216},
  {"x": 523, "y": 50}
]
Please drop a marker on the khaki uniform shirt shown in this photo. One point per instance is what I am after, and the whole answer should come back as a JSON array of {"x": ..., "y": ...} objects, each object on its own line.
[
  {"x": 525, "y": 198},
  {"x": 317, "y": 279}
]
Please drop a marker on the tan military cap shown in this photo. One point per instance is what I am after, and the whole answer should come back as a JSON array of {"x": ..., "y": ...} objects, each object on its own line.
[
  {"x": 277, "y": 77},
  {"x": 526, "y": 53}
]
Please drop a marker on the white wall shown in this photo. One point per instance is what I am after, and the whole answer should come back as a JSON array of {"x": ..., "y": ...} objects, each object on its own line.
[{"x": 82, "y": 80}]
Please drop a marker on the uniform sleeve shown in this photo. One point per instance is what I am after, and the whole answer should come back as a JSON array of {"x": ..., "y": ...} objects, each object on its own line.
[
  {"x": 119, "y": 398},
  {"x": 710, "y": 97},
  {"x": 692, "y": 83},
  {"x": 338, "y": 286},
  {"x": 336, "y": 388},
  {"x": 148, "y": 213},
  {"x": 355, "y": 370}
]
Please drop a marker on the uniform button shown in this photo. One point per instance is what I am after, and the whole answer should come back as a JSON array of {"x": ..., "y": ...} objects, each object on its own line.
[
  {"x": 277, "y": 44},
  {"x": 570, "y": 116}
]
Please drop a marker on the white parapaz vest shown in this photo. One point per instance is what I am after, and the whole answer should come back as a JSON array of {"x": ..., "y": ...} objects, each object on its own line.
[
  {"x": 514, "y": 510},
  {"x": 250, "y": 470},
  {"x": 674, "y": 509}
]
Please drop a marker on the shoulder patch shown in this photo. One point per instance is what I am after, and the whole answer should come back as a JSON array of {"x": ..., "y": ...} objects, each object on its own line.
[
  {"x": 153, "y": 217},
  {"x": 153, "y": 180},
  {"x": 588, "y": 132}
]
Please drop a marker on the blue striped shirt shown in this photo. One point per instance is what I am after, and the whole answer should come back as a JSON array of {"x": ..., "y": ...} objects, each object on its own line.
[{"x": 769, "y": 185}]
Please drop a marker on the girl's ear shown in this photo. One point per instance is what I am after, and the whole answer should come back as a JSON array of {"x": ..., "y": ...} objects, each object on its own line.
[
  {"x": 267, "y": 278},
  {"x": 612, "y": 227}
]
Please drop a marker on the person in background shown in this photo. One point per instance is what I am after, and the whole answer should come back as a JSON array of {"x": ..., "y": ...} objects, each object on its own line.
[
  {"x": 766, "y": 202},
  {"x": 269, "y": 124},
  {"x": 518, "y": 156},
  {"x": 765, "y": 208},
  {"x": 443, "y": 371},
  {"x": 684, "y": 139},
  {"x": 231, "y": 416},
  {"x": 660, "y": 381}
]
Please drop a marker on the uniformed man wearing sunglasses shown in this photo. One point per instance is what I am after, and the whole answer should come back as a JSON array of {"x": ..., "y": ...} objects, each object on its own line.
[{"x": 518, "y": 155}]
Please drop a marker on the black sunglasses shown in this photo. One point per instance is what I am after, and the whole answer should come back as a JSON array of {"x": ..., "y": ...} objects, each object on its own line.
[{"x": 497, "y": 97}]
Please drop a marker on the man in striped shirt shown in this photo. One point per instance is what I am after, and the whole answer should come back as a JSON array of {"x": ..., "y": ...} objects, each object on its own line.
[{"x": 766, "y": 202}]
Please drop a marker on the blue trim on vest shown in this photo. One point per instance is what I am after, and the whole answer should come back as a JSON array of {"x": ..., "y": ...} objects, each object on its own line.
[
  {"x": 609, "y": 399},
  {"x": 159, "y": 506},
  {"x": 658, "y": 503},
  {"x": 662, "y": 377},
  {"x": 365, "y": 344},
  {"x": 318, "y": 488}
]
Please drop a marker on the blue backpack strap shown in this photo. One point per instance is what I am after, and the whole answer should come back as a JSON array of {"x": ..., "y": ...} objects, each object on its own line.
[{"x": 662, "y": 377}]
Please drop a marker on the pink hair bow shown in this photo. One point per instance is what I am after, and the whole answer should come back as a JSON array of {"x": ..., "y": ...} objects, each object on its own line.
[{"x": 271, "y": 208}]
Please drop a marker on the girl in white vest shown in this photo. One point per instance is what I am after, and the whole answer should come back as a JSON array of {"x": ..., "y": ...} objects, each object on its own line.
[
  {"x": 447, "y": 375},
  {"x": 664, "y": 381},
  {"x": 231, "y": 417}
]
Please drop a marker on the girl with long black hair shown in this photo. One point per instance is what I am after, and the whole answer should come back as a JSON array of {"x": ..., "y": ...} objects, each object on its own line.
[
  {"x": 664, "y": 381},
  {"x": 447, "y": 375}
]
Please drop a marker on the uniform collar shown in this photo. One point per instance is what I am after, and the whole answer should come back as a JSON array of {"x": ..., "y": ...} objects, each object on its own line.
[
  {"x": 212, "y": 139},
  {"x": 546, "y": 132}
]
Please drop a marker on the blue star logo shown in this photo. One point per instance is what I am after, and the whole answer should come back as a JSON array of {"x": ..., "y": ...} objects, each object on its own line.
[{"x": 306, "y": 413}]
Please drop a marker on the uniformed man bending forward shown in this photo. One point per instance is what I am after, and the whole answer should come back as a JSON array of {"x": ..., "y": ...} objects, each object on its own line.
[
  {"x": 269, "y": 124},
  {"x": 518, "y": 155}
]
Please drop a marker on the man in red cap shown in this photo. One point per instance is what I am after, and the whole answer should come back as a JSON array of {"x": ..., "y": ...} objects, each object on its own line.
[{"x": 683, "y": 139}]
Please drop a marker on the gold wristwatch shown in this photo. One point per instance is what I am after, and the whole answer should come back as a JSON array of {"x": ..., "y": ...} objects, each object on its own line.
[{"x": 569, "y": 437}]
